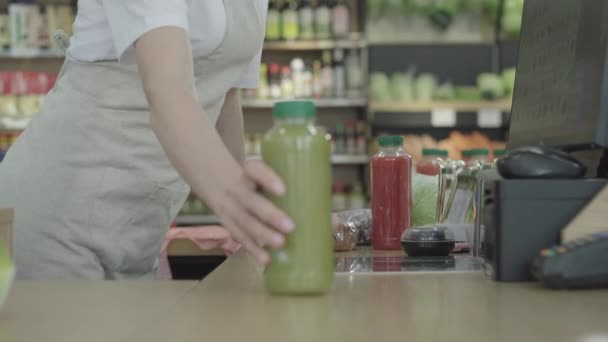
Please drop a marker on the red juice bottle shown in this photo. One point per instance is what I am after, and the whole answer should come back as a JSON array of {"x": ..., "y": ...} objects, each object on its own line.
[{"x": 391, "y": 193}]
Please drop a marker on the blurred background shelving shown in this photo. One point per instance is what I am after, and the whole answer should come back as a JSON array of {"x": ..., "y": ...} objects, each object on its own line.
[{"x": 438, "y": 72}]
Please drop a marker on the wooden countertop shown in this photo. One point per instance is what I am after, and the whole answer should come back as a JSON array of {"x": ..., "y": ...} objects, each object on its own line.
[{"x": 231, "y": 305}]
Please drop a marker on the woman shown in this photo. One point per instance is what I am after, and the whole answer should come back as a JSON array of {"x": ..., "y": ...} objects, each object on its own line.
[{"x": 145, "y": 110}]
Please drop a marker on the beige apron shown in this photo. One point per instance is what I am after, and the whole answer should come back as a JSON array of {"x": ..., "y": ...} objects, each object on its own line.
[{"x": 93, "y": 192}]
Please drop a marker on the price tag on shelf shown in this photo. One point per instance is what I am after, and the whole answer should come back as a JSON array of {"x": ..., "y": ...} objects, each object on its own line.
[
  {"x": 443, "y": 117},
  {"x": 489, "y": 118}
]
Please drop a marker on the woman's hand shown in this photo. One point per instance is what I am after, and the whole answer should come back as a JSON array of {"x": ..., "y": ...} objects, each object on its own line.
[{"x": 251, "y": 218}]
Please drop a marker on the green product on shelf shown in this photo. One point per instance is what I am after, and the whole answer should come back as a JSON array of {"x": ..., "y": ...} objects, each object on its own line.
[
  {"x": 300, "y": 154},
  {"x": 273, "y": 21},
  {"x": 380, "y": 87},
  {"x": 491, "y": 86},
  {"x": 290, "y": 25},
  {"x": 445, "y": 92},
  {"x": 508, "y": 80},
  {"x": 402, "y": 86},
  {"x": 425, "y": 84},
  {"x": 323, "y": 20},
  {"x": 307, "y": 20},
  {"x": 512, "y": 17},
  {"x": 467, "y": 94}
]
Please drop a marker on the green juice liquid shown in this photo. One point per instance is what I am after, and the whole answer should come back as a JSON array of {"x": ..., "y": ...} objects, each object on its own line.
[{"x": 300, "y": 153}]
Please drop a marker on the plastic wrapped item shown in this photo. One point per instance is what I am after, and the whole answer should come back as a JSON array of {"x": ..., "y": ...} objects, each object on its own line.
[{"x": 353, "y": 222}]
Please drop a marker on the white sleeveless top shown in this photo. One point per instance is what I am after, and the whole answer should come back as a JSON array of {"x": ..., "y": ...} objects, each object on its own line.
[{"x": 107, "y": 29}]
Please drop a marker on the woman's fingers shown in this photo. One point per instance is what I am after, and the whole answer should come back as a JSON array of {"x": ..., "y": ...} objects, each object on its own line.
[
  {"x": 265, "y": 177},
  {"x": 261, "y": 234},
  {"x": 267, "y": 212},
  {"x": 241, "y": 237}
]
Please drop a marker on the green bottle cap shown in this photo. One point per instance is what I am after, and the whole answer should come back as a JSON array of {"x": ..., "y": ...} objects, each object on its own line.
[
  {"x": 479, "y": 152},
  {"x": 294, "y": 109},
  {"x": 434, "y": 152},
  {"x": 499, "y": 153},
  {"x": 390, "y": 141},
  {"x": 466, "y": 153}
]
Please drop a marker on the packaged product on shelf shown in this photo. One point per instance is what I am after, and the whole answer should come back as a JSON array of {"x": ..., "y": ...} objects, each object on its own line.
[
  {"x": 307, "y": 20},
  {"x": 402, "y": 86},
  {"x": 351, "y": 140},
  {"x": 273, "y": 21},
  {"x": 290, "y": 27},
  {"x": 425, "y": 84},
  {"x": 391, "y": 170},
  {"x": 340, "y": 139},
  {"x": 339, "y": 199},
  {"x": 491, "y": 86},
  {"x": 44, "y": 35},
  {"x": 317, "y": 82},
  {"x": 275, "y": 81},
  {"x": 263, "y": 90},
  {"x": 339, "y": 72},
  {"x": 287, "y": 84},
  {"x": 361, "y": 138},
  {"x": 345, "y": 238},
  {"x": 34, "y": 26},
  {"x": 340, "y": 19},
  {"x": 307, "y": 80},
  {"x": 354, "y": 74},
  {"x": 52, "y": 24},
  {"x": 357, "y": 197},
  {"x": 323, "y": 20},
  {"x": 327, "y": 75},
  {"x": 297, "y": 68},
  {"x": 5, "y": 32},
  {"x": 65, "y": 18},
  {"x": 18, "y": 13}
]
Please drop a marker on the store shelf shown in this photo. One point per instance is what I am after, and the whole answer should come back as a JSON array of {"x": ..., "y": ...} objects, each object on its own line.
[
  {"x": 31, "y": 54},
  {"x": 309, "y": 45},
  {"x": 321, "y": 103},
  {"x": 194, "y": 220},
  {"x": 458, "y": 106},
  {"x": 338, "y": 159},
  {"x": 429, "y": 42}
]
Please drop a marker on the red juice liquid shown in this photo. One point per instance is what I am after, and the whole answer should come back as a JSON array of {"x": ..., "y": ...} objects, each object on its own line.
[
  {"x": 428, "y": 168},
  {"x": 391, "y": 198}
]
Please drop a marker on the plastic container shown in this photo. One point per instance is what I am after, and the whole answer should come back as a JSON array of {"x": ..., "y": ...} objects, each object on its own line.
[
  {"x": 391, "y": 171},
  {"x": 429, "y": 165},
  {"x": 300, "y": 154},
  {"x": 428, "y": 241}
]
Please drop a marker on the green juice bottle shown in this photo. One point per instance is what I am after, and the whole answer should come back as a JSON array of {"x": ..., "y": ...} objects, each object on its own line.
[{"x": 299, "y": 152}]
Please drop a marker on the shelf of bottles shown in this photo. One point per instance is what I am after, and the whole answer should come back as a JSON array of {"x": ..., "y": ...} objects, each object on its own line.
[{"x": 334, "y": 75}]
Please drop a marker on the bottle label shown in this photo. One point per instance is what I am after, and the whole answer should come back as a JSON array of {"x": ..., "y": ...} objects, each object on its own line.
[
  {"x": 307, "y": 24},
  {"x": 273, "y": 25},
  {"x": 290, "y": 25}
]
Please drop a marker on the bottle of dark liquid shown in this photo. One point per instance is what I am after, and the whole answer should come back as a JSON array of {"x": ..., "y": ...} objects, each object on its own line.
[{"x": 307, "y": 20}]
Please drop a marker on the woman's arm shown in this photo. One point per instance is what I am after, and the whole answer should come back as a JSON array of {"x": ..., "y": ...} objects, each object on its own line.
[
  {"x": 196, "y": 150},
  {"x": 230, "y": 125}
]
